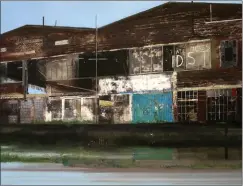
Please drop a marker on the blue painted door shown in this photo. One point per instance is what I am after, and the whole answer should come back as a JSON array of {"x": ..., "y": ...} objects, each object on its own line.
[{"x": 152, "y": 108}]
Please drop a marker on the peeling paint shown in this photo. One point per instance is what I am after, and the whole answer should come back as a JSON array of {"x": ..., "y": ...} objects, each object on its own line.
[{"x": 135, "y": 84}]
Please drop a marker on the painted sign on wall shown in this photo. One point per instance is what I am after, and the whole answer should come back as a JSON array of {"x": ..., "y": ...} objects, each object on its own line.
[{"x": 191, "y": 56}]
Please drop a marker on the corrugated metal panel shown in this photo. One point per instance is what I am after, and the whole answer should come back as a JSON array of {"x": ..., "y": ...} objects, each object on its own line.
[{"x": 152, "y": 108}]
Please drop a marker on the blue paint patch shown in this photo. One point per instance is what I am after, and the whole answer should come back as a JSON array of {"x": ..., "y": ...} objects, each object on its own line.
[
  {"x": 36, "y": 90},
  {"x": 152, "y": 108}
]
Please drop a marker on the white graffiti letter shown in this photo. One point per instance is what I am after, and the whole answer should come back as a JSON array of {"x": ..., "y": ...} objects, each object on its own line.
[
  {"x": 177, "y": 60},
  {"x": 191, "y": 63}
]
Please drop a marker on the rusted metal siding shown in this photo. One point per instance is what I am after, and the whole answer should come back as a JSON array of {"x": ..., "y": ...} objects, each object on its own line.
[
  {"x": 11, "y": 88},
  {"x": 168, "y": 23},
  {"x": 171, "y": 22},
  {"x": 232, "y": 76},
  {"x": 39, "y": 41},
  {"x": 152, "y": 108}
]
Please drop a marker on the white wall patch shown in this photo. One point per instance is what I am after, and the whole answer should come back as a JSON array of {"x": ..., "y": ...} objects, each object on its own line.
[
  {"x": 62, "y": 42},
  {"x": 30, "y": 52},
  {"x": 3, "y": 49}
]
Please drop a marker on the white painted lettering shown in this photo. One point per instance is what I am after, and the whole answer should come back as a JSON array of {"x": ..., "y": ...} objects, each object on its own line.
[
  {"x": 177, "y": 60},
  {"x": 193, "y": 60},
  {"x": 204, "y": 59}
]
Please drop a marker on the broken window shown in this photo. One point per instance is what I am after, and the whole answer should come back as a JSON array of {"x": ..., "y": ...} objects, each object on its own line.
[
  {"x": 88, "y": 109},
  {"x": 228, "y": 53},
  {"x": 121, "y": 108},
  {"x": 109, "y": 63},
  {"x": 72, "y": 108},
  {"x": 105, "y": 110},
  {"x": 221, "y": 105},
  {"x": 14, "y": 70},
  {"x": 55, "y": 107},
  {"x": 187, "y": 103},
  {"x": 9, "y": 111},
  {"x": 3, "y": 72},
  {"x": 157, "y": 59},
  {"x": 168, "y": 54}
]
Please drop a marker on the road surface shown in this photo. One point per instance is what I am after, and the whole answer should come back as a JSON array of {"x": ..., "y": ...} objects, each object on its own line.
[{"x": 46, "y": 174}]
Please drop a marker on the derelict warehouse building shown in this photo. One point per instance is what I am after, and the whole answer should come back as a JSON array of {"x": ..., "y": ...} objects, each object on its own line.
[{"x": 173, "y": 63}]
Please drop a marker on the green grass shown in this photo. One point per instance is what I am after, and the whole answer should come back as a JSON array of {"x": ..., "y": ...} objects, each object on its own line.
[{"x": 117, "y": 163}]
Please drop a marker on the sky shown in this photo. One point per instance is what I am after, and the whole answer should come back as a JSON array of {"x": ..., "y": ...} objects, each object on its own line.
[{"x": 70, "y": 13}]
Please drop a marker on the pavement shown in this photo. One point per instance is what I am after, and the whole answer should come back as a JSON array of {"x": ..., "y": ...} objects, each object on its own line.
[{"x": 56, "y": 174}]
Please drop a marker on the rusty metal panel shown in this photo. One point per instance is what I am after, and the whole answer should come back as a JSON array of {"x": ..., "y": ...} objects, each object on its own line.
[
  {"x": 11, "y": 88},
  {"x": 231, "y": 76},
  {"x": 152, "y": 108}
]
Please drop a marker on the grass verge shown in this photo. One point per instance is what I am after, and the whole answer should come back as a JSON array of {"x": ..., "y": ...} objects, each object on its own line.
[{"x": 123, "y": 163}]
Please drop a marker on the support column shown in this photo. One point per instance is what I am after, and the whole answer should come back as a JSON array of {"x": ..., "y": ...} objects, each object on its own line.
[
  {"x": 25, "y": 78},
  {"x": 174, "y": 99}
]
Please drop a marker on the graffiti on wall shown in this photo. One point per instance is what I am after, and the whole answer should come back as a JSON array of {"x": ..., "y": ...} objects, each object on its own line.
[{"x": 187, "y": 56}]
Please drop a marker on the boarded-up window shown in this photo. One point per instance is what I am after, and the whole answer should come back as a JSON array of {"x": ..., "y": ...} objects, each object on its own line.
[{"x": 228, "y": 53}]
